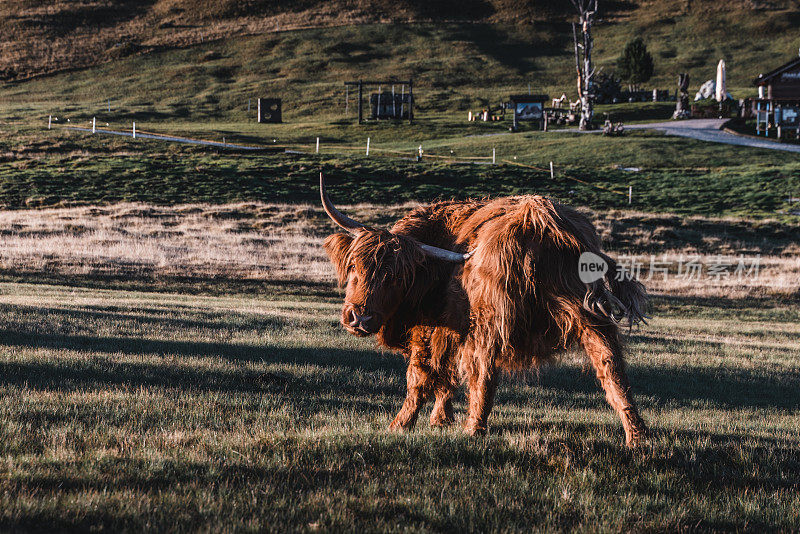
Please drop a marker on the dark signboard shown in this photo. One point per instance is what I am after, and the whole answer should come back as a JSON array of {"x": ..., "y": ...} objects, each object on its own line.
[
  {"x": 269, "y": 110},
  {"x": 528, "y": 108}
]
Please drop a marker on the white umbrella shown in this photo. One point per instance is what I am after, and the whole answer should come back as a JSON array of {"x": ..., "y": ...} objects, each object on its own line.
[{"x": 721, "y": 93}]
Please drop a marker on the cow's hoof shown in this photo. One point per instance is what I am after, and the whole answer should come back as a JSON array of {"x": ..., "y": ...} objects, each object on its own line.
[
  {"x": 636, "y": 439},
  {"x": 441, "y": 422},
  {"x": 399, "y": 428},
  {"x": 475, "y": 430}
]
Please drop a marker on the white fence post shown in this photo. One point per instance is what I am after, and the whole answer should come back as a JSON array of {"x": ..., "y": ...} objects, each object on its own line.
[
  {"x": 134, "y": 129},
  {"x": 630, "y": 194},
  {"x": 93, "y": 128},
  {"x": 317, "y": 145},
  {"x": 493, "y": 156},
  {"x": 552, "y": 173},
  {"x": 49, "y": 122},
  {"x": 367, "y": 146}
]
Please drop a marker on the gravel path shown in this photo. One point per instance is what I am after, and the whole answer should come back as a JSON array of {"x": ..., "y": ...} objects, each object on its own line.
[
  {"x": 709, "y": 130},
  {"x": 167, "y": 138}
]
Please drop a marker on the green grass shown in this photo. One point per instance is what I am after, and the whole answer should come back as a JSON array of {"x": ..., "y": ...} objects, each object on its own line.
[
  {"x": 128, "y": 410},
  {"x": 677, "y": 175}
]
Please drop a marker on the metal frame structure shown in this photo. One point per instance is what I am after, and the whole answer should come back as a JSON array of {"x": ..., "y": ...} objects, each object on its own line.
[{"x": 379, "y": 83}]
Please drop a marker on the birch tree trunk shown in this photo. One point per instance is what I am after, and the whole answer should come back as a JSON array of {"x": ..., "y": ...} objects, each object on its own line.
[{"x": 587, "y": 9}]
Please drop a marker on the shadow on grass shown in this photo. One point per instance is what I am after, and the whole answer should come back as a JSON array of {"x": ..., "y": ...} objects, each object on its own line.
[
  {"x": 474, "y": 474},
  {"x": 190, "y": 285},
  {"x": 721, "y": 387},
  {"x": 673, "y": 386},
  {"x": 72, "y": 375},
  {"x": 198, "y": 319}
]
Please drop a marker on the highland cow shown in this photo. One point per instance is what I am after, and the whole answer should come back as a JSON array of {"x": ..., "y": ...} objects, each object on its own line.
[{"x": 467, "y": 289}]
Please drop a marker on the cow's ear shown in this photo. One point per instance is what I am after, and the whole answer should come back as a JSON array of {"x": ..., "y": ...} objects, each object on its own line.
[{"x": 338, "y": 248}]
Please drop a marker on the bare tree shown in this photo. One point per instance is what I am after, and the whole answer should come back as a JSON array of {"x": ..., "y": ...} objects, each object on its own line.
[{"x": 582, "y": 36}]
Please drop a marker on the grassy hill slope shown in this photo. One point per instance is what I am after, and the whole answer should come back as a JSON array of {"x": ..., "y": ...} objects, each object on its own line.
[{"x": 43, "y": 37}]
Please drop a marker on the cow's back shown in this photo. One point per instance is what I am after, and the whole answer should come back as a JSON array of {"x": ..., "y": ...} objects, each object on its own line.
[{"x": 521, "y": 284}]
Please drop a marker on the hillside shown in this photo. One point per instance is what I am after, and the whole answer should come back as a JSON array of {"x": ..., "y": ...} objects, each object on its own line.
[{"x": 39, "y": 37}]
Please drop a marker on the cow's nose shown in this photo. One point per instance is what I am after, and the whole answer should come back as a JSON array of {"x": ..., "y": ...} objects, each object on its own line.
[
  {"x": 358, "y": 321},
  {"x": 354, "y": 320}
]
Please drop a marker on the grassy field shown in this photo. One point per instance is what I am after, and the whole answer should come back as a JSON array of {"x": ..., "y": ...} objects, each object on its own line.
[
  {"x": 277, "y": 248},
  {"x": 131, "y": 410},
  {"x": 182, "y": 368},
  {"x": 170, "y": 353},
  {"x": 57, "y": 167}
]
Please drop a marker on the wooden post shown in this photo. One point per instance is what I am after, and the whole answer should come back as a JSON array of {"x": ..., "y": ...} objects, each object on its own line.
[
  {"x": 402, "y": 98},
  {"x": 346, "y": 100},
  {"x": 360, "y": 96},
  {"x": 493, "y": 155},
  {"x": 394, "y": 104},
  {"x": 378, "y": 107},
  {"x": 367, "y": 146},
  {"x": 411, "y": 102},
  {"x": 630, "y": 194},
  {"x": 514, "y": 111}
]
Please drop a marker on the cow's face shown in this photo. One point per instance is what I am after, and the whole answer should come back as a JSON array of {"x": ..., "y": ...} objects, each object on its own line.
[{"x": 376, "y": 268}]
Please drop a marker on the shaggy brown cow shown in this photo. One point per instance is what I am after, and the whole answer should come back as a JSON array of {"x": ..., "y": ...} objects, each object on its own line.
[{"x": 467, "y": 289}]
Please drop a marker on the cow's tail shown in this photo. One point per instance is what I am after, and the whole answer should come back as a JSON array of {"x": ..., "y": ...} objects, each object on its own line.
[{"x": 617, "y": 297}]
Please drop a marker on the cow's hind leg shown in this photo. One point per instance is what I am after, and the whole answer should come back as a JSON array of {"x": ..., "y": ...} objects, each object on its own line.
[
  {"x": 420, "y": 386},
  {"x": 442, "y": 414},
  {"x": 482, "y": 387},
  {"x": 603, "y": 347}
]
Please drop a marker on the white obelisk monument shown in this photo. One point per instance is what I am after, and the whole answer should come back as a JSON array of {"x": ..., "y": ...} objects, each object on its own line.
[{"x": 721, "y": 92}]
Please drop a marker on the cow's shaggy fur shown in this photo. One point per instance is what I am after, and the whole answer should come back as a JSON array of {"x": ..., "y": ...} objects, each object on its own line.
[{"x": 516, "y": 303}]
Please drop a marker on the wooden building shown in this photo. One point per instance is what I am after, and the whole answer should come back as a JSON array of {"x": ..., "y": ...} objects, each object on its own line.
[{"x": 778, "y": 102}]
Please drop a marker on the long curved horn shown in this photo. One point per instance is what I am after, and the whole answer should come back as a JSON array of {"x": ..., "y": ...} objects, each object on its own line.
[
  {"x": 337, "y": 216},
  {"x": 446, "y": 255},
  {"x": 353, "y": 227}
]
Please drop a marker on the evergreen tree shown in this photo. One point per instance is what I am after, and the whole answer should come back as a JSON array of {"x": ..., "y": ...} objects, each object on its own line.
[{"x": 635, "y": 65}]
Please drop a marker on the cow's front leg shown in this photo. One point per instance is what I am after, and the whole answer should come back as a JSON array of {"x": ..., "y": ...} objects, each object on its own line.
[
  {"x": 482, "y": 387},
  {"x": 420, "y": 385},
  {"x": 442, "y": 414}
]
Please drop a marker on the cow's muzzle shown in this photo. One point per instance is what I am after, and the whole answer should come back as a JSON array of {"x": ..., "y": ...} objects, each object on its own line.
[{"x": 360, "y": 322}]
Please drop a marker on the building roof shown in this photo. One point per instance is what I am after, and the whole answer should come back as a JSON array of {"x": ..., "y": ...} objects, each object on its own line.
[{"x": 763, "y": 79}]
